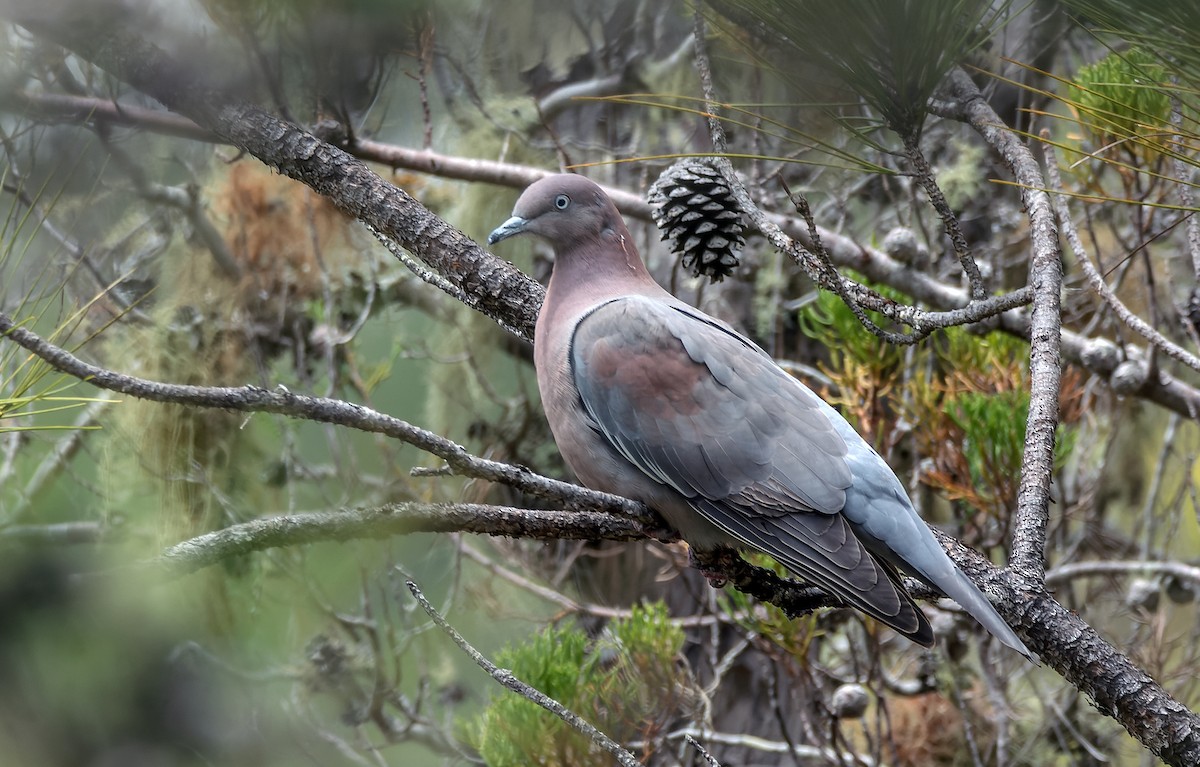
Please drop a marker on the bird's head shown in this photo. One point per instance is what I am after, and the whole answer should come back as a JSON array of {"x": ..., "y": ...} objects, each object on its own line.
[{"x": 565, "y": 209}]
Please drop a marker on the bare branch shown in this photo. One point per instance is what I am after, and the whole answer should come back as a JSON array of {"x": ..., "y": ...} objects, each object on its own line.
[
  {"x": 1065, "y": 573},
  {"x": 1075, "y": 650},
  {"x": 254, "y": 399},
  {"x": 1184, "y": 171},
  {"x": 506, "y": 679},
  {"x": 925, "y": 177},
  {"x": 570, "y": 605},
  {"x": 1045, "y": 331},
  {"x": 753, "y": 743},
  {"x": 396, "y": 519},
  {"x": 54, "y": 107},
  {"x": 708, "y": 758},
  {"x": 1123, "y": 312}
]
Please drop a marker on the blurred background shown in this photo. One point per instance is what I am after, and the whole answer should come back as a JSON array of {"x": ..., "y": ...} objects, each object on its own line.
[{"x": 144, "y": 245}]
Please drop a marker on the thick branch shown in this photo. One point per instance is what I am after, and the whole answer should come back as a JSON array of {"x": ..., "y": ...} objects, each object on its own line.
[
  {"x": 1045, "y": 331},
  {"x": 1085, "y": 659},
  {"x": 1098, "y": 356},
  {"x": 396, "y": 519}
]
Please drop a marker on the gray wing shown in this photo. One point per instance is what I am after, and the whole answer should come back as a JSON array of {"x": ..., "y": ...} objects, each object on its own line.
[{"x": 699, "y": 408}]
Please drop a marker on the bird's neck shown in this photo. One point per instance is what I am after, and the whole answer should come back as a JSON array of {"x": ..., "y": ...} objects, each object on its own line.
[
  {"x": 586, "y": 275},
  {"x": 607, "y": 266}
]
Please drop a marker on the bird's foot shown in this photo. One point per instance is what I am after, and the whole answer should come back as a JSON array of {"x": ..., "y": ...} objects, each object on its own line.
[{"x": 711, "y": 565}]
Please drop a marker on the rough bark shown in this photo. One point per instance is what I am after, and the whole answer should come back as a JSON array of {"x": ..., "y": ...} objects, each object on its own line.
[
  {"x": 491, "y": 285},
  {"x": 396, "y": 519},
  {"x": 1045, "y": 332},
  {"x": 1075, "y": 650},
  {"x": 1065, "y": 642}
]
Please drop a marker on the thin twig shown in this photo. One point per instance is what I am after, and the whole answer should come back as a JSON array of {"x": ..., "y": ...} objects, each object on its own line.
[
  {"x": 1124, "y": 313},
  {"x": 755, "y": 743},
  {"x": 925, "y": 177},
  {"x": 1161, "y": 466},
  {"x": 836, "y": 281},
  {"x": 254, "y": 399},
  {"x": 704, "y": 68},
  {"x": 507, "y": 680},
  {"x": 707, "y": 757},
  {"x": 569, "y": 605},
  {"x": 425, "y": 273}
]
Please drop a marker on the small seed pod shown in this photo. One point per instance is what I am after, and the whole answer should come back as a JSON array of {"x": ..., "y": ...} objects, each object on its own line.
[{"x": 849, "y": 701}]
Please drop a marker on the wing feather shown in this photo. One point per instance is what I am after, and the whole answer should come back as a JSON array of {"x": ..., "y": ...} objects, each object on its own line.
[
  {"x": 699, "y": 408},
  {"x": 658, "y": 380}
]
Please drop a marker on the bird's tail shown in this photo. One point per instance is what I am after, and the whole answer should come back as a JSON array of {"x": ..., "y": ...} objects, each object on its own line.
[{"x": 955, "y": 584}]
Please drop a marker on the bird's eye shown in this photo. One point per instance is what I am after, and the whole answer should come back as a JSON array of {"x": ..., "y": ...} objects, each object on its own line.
[{"x": 562, "y": 201}]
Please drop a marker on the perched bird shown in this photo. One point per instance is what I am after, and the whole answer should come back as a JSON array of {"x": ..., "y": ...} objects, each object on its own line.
[{"x": 654, "y": 400}]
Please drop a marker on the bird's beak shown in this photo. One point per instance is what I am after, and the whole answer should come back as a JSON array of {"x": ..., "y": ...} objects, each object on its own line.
[{"x": 514, "y": 225}]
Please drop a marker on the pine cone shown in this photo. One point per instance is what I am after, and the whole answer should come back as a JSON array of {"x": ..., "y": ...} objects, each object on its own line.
[{"x": 695, "y": 209}]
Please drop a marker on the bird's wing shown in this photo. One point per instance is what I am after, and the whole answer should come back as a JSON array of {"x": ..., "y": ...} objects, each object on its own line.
[{"x": 697, "y": 407}]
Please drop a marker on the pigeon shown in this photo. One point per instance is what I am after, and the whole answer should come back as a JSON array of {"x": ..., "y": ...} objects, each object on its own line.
[{"x": 654, "y": 400}]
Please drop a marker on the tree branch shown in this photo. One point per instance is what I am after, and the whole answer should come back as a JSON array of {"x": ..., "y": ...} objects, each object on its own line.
[
  {"x": 1096, "y": 355},
  {"x": 506, "y": 678},
  {"x": 394, "y": 519},
  {"x": 254, "y": 399},
  {"x": 1068, "y": 572},
  {"x": 1075, "y": 650},
  {"x": 1027, "y": 557}
]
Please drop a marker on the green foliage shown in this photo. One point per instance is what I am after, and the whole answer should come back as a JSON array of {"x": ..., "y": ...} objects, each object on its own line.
[
  {"x": 831, "y": 323},
  {"x": 1169, "y": 28},
  {"x": 969, "y": 400},
  {"x": 993, "y": 428},
  {"x": 863, "y": 366},
  {"x": 892, "y": 53},
  {"x": 1124, "y": 102},
  {"x": 1122, "y": 96},
  {"x": 624, "y": 683}
]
